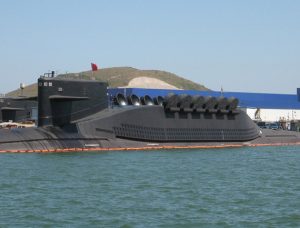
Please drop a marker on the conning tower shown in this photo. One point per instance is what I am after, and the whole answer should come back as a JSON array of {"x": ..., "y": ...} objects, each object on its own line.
[{"x": 62, "y": 101}]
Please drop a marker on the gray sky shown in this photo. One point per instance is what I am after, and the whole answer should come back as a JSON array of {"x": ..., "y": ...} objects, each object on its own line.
[{"x": 250, "y": 46}]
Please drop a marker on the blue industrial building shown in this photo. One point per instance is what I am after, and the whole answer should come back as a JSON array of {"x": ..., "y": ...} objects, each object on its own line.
[{"x": 246, "y": 100}]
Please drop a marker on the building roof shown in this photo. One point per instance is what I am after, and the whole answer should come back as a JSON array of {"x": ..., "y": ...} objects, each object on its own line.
[{"x": 246, "y": 100}]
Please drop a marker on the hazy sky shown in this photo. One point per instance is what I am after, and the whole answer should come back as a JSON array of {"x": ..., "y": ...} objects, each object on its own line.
[{"x": 251, "y": 46}]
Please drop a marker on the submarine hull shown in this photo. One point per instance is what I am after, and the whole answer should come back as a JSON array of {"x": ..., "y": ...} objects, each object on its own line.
[
  {"x": 145, "y": 128},
  {"x": 76, "y": 115}
]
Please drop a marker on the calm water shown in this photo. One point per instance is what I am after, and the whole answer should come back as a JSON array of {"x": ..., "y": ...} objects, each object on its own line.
[{"x": 248, "y": 187}]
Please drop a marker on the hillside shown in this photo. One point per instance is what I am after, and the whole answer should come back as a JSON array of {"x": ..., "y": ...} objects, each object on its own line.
[
  {"x": 30, "y": 90},
  {"x": 124, "y": 76}
]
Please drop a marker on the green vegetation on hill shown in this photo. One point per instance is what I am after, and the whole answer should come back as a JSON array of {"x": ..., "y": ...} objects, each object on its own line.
[
  {"x": 30, "y": 90},
  {"x": 120, "y": 77}
]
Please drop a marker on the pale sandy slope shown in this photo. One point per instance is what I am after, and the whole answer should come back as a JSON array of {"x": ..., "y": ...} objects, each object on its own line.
[{"x": 149, "y": 83}]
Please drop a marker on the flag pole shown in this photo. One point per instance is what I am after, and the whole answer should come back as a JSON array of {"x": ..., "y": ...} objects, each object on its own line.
[{"x": 94, "y": 68}]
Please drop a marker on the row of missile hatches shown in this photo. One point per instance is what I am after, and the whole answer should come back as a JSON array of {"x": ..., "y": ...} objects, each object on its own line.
[{"x": 182, "y": 102}]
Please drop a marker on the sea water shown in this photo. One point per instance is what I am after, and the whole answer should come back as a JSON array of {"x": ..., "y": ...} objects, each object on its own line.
[{"x": 245, "y": 187}]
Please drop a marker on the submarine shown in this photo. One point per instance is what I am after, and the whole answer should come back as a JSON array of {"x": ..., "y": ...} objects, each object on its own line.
[
  {"x": 79, "y": 115},
  {"x": 17, "y": 109}
]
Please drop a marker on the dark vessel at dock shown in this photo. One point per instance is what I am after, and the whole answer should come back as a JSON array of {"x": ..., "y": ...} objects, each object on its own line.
[
  {"x": 79, "y": 115},
  {"x": 17, "y": 109}
]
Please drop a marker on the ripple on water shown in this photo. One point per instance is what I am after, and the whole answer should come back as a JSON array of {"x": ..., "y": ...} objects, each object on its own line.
[{"x": 245, "y": 187}]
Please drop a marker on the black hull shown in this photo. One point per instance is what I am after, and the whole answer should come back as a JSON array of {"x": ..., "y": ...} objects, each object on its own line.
[
  {"x": 102, "y": 132},
  {"x": 74, "y": 116},
  {"x": 155, "y": 124}
]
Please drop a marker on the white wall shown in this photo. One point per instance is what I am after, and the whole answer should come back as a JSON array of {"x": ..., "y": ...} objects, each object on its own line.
[{"x": 274, "y": 114}]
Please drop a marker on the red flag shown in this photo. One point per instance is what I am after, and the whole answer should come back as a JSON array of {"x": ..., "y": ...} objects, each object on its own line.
[{"x": 94, "y": 67}]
